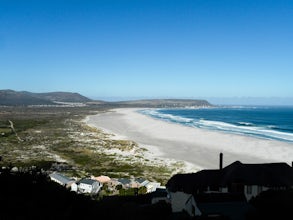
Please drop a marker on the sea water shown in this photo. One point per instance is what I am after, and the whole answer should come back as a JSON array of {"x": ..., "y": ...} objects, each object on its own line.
[{"x": 268, "y": 122}]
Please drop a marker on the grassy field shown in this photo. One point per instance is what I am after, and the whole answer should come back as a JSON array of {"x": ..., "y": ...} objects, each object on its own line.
[{"x": 49, "y": 135}]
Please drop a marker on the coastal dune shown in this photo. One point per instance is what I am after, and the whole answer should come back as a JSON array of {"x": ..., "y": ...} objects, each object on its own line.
[{"x": 198, "y": 147}]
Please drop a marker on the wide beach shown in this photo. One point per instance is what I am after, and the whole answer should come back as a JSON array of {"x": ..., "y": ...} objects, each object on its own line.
[{"x": 198, "y": 147}]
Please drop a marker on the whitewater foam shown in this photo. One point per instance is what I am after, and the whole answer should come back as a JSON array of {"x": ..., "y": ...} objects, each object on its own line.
[{"x": 242, "y": 127}]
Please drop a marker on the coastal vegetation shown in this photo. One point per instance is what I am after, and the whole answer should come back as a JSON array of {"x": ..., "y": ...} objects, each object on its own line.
[{"x": 43, "y": 136}]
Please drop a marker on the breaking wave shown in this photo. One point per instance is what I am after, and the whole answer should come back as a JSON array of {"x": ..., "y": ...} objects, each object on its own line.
[{"x": 225, "y": 122}]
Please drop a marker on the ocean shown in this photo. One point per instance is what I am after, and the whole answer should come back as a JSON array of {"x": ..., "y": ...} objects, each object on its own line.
[{"x": 266, "y": 122}]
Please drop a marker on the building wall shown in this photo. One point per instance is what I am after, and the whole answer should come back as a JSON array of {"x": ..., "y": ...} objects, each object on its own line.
[
  {"x": 152, "y": 186},
  {"x": 191, "y": 207},
  {"x": 178, "y": 200},
  {"x": 73, "y": 187},
  {"x": 224, "y": 189},
  {"x": 96, "y": 187},
  {"x": 85, "y": 188},
  {"x": 251, "y": 191}
]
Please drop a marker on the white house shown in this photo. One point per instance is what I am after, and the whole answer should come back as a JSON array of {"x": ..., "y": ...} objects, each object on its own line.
[
  {"x": 89, "y": 186},
  {"x": 152, "y": 186},
  {"x": 74, "y": 187},
  {"x": 139, "y": 182}
]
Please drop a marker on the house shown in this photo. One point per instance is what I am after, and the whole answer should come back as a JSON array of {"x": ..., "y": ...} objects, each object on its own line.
[
  {"x": 218, "y": 205},
  {"x": 102, "y": 179},
  {"x": 153, "y": 186},
  {"x": 246, "y": 180},
  {"x": 126, "y": 183},
  {"x": 150, "y": 186},
  {"x": 140, "y": 182},
  {"x": 61, "y": 179},
  {"x": 73, "y": 187},
  {"x": 90, "y": 186},
  {"x": 160, "y": 195}
]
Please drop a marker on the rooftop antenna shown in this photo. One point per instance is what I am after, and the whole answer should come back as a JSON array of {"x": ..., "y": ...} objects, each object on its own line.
[{"x": 221, "y": 161}]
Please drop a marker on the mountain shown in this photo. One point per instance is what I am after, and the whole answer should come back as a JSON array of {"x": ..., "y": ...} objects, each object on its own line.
[
  {"x": 10, "y": 97},
  {"x": 24, "y": 98},
  {"x": 165, "y": 103},
  {"x": 14, "y": 98},
  {"x": 61, "y": 97}
]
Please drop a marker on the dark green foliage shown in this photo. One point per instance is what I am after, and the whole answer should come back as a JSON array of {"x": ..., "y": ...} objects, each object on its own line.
[
  {"x": 32, "y": 196},
  {"x": 118, "y": 187},
  {"x": 142, "y": 190},
  {"x": 273, "y": 204},
  {"x": 131, "y": 191}
]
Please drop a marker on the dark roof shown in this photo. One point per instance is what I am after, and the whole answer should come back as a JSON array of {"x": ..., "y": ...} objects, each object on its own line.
[
  {"x": 124, "y": 181},
  {"x": 193, "y": 181},
  {"x": 140, "y": 180},
  {"x": 268, "y": 174},
  {"x": 88, "y": 181},
  {"x": 219, "y": 197},
  {"x": 159, "y": 193},
  {"x": 61, "y": 178}
]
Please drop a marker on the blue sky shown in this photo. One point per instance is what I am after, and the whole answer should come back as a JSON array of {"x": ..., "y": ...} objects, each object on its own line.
[{"x": 148, "y": 48}]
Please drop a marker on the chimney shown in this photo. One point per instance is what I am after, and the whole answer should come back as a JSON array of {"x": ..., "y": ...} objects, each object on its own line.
[{"x": 221, "y": 161}]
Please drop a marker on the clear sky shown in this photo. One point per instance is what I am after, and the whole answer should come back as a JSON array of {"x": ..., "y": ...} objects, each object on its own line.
[{"x": 148, "y": 48}]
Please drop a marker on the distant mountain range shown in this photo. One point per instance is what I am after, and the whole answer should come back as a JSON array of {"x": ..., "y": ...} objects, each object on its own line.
[
  {"x": 24, "y": 98},
  {"x": 165, "y": 103},
  {"x": 14, "y": 98}
]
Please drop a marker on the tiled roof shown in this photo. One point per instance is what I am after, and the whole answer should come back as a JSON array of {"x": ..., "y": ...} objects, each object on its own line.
[{"x": 103, "y": 179}]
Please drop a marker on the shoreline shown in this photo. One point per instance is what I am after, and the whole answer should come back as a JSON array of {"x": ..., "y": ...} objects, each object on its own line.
[{"x": 197, "y": 148}]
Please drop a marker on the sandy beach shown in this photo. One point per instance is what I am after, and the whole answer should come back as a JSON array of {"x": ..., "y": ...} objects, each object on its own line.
[{"x": 198, "y": 147}]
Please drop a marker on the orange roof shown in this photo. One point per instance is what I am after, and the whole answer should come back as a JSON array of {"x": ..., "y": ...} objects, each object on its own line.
[{"x": 103, "y": 179}]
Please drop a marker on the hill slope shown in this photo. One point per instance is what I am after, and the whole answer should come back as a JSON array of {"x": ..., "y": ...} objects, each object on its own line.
[
  {"x": 165, "y": 103},
  {"x": 24, "y": 98},
  {"x": 61, "y": 97},
  {"x": 14, "y": 98}
]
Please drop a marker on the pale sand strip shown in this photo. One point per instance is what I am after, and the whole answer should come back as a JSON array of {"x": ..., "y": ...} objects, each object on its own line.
[{"x": 196, "y": 146}]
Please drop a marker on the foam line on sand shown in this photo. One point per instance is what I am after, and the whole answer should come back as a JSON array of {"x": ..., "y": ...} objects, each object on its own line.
[{"x": 195, "y": 146}]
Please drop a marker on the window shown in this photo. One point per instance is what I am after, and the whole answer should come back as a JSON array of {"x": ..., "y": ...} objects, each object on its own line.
[
  {"x": 237, "y": 187},
  {"x": 214, "y": 188},
  {"x": 259, "y": 189},
  {"x": 248, "y": 189}
]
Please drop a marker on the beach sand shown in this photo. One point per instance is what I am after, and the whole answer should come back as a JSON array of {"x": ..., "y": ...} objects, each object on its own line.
[{"x": 197, "y": 147}]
